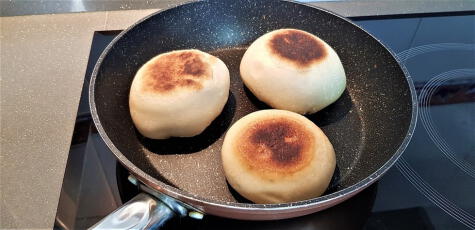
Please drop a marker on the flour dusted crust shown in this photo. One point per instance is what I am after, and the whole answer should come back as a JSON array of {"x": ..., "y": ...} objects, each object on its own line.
[
  {"x": 277, "y": 156},
  {"x": 178, "y": 94},
  {"x": 293, "y": 70}
]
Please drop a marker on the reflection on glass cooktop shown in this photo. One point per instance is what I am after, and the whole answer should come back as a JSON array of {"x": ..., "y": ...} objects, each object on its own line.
[
  {"x": 436, "y": 173},
  {"x": 433, "y": 185}
]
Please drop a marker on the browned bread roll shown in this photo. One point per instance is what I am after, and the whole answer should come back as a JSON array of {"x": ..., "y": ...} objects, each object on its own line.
[
  {"x": 277, "y": 156},
  {"x": 293, "y": 70},
  {"x": 178, "y": 94}
]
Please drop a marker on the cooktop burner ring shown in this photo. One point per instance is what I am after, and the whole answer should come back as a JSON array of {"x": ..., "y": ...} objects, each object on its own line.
[{"x": 426, "y": 93}]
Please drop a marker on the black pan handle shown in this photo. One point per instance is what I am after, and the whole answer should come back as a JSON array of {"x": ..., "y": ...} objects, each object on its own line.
[{"x": 142, "y": 212}]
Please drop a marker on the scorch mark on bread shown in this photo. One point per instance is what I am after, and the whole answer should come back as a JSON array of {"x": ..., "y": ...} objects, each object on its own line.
[
  {"x": 279, "y": 145},
  {"x": 297, "y": 47},
  {"x": 280, "y": 140},
  {"x": 185, "y": 69}
]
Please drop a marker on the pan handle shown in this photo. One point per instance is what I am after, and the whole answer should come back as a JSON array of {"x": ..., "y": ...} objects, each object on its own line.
[{"x": 142, "y": 212}]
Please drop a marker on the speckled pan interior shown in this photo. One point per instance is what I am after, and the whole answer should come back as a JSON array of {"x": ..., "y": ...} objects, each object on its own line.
[{"x": 366, "y": 125}]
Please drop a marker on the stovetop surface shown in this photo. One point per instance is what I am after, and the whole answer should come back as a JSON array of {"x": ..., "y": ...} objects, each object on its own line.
[{"x": 432, "y": 186}]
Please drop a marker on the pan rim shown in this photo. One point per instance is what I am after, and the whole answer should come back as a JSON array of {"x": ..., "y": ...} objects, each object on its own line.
[{"x": 201, "y": 202}]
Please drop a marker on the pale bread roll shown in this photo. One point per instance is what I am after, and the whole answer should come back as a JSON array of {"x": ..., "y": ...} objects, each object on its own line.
[
  {"x": 178, "y": 94},
  {"x": 293, "y": 70},
  {"x": 277, "y": 156}
]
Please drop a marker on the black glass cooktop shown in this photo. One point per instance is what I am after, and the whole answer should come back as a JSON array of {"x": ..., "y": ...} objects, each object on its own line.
[
  {"x": 435, "y": 177},
  {"x": 433, "y": 185}
]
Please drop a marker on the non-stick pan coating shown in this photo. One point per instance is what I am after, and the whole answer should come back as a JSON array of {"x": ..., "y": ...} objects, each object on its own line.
[{"x": 367, "y": 125}]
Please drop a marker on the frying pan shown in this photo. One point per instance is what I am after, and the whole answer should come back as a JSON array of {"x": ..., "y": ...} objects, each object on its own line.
[{"x": 369, "y": 126}]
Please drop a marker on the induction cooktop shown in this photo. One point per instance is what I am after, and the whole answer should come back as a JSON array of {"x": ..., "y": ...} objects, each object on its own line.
[{"x": 432, "y": 186}]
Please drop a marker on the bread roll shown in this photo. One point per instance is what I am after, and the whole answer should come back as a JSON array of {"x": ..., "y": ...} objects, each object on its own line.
[
  {"x": 277, "y": 156},
  {"x": 293, "y": 70},
  {"x": 178, "y": 94}
]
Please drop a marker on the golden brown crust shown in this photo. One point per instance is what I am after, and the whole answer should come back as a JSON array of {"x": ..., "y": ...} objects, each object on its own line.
[
  {"x": 183, "y": 69},
  {"x": 297, "y": 47},
  {"x": 276, "y": 147}
]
